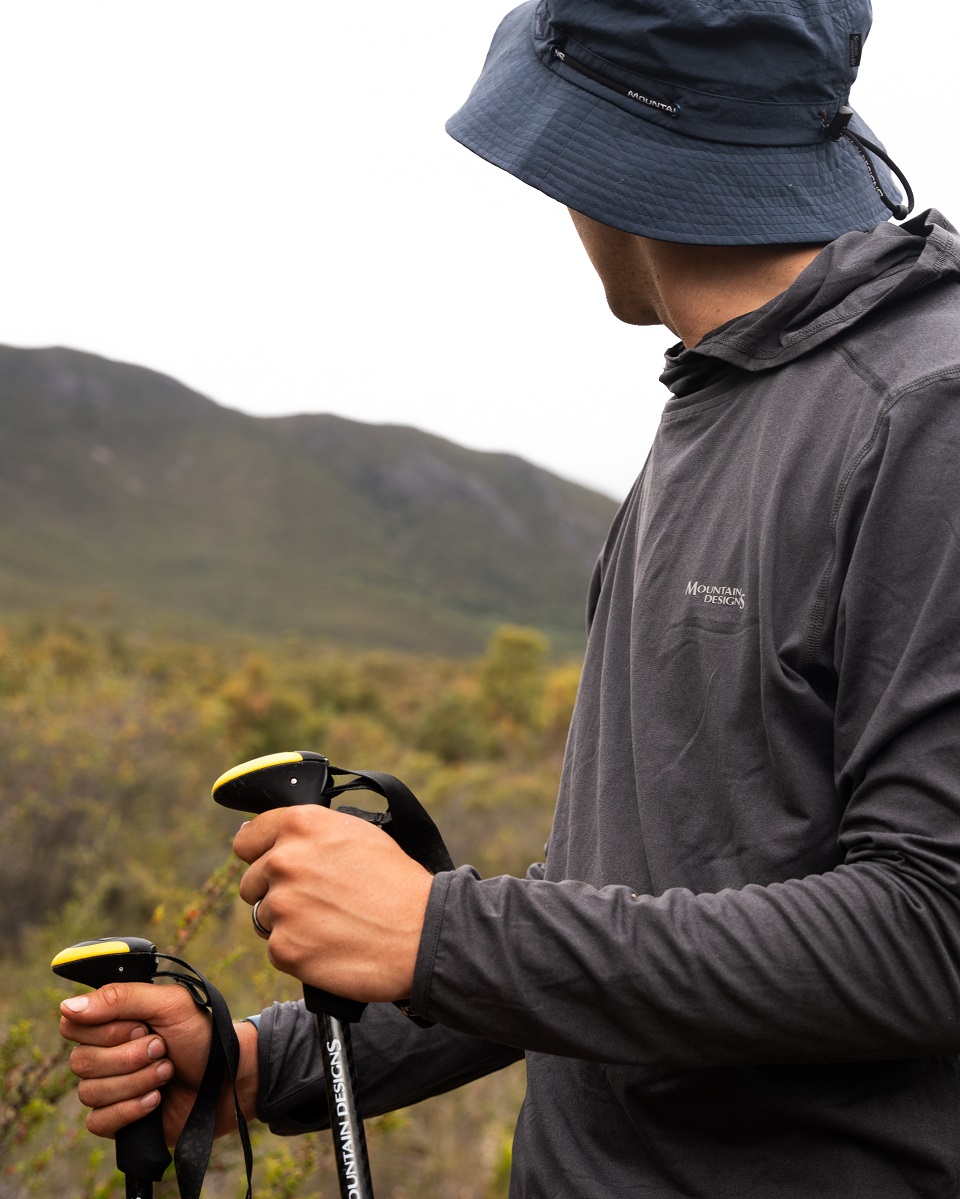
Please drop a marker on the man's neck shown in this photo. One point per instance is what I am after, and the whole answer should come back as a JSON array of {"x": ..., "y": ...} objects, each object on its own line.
[
  {"x": 690, "y": 289},
  {"x": 703, "y": 287}
]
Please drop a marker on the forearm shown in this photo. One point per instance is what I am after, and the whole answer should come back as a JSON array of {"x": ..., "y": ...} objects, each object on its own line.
[
  {"x": 858, "y": 963},
  {"x": 398, "y": 1063}
]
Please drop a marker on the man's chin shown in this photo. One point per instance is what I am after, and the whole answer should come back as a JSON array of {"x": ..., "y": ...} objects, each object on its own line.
[{"x": 630, "y": 314}]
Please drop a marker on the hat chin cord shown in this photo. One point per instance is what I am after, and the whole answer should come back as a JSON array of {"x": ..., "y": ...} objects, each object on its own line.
[{"x": 838, "y": 129}]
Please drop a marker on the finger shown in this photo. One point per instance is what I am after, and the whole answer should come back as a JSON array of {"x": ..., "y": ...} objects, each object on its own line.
[
  {"x": 129, "y": 1003},
  {"x": 92, "y": 1061},
  {"x": 104, "y": 1092},
  {"x": 256, "y": 836},
  {"x": 262, "y": 833},
  {"x": 117, "y": 1033},
  {"x": 263, "y": 918},
  {"x": 253, "y": 884},
  {"x": 107, "y": 1121}
]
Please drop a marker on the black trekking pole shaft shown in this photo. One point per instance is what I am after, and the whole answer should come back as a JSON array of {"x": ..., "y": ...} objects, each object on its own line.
[
  {"x": 135, "y": 1143},
  {"x": 346, "y": 1122}
]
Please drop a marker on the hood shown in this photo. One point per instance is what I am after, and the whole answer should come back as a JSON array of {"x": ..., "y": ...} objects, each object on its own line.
[{"x": 849, "y": 279}]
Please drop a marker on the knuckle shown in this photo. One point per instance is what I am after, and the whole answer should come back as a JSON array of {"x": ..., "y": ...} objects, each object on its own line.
[
  {"x": 275, "y": 950},
  {"x": 284, "y": 860},
  {"x": 279, "y": 954},
  {"x": 132, "y": 1055},
  {"x": 79, "y": 1061},
  {"x": 251, "y": 885},
  {"x": 302, "y": 821},
  {"x": 113, "y": 994},
  {"x": 278, "y": 909},
  {"x": 240, "y": 847},
  {"x": 98, "y": 1124}
]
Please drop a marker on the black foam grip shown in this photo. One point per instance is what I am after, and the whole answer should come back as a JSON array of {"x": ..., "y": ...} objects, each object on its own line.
[
  {"x": 348, "y": 1011},
  {"x": 141, "y": 1150}
]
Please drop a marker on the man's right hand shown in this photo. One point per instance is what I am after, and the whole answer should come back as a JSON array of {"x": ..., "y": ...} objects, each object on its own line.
[{"x": 133, "y": 1038}]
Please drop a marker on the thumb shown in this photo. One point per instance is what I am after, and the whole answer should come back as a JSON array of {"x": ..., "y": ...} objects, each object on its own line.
[{"x": 123, "y": 1001}]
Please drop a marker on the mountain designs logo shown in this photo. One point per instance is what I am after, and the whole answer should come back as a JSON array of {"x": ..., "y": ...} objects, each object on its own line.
[{"x": 715, "y": 593}]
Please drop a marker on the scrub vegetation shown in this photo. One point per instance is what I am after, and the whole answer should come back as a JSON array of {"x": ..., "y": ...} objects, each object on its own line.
[{"x": 109, "y": 744}]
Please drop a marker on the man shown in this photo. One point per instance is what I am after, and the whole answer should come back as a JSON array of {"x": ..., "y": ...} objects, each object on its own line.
[{"x": 739, "y": 974}]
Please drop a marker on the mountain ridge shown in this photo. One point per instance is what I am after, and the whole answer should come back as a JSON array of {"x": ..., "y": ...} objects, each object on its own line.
[{"x": 116, "y": 478}]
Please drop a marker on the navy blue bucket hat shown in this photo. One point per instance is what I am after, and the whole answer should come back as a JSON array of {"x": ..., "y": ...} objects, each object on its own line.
[{"x": 709, "y": 122}]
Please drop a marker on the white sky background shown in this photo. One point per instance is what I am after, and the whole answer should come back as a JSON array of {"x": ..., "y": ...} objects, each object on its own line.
[{"x": 260, "y": 200}]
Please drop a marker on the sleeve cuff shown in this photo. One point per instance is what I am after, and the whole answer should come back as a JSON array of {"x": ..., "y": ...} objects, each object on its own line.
[{"x": 430, "y": 939}]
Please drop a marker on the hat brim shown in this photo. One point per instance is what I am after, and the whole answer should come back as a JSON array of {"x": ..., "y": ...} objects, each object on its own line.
[{"x": 630, "y": 173}]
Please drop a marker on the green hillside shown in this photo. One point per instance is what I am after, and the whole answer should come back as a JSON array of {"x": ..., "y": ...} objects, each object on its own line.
[{"x": 121, "y": 487}]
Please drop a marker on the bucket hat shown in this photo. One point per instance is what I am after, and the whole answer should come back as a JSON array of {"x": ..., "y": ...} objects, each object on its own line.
[{"x": 710, "y": 122}]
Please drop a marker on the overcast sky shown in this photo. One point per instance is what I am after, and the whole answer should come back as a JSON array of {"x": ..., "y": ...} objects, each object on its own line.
[{"x": 260, "y": 200}]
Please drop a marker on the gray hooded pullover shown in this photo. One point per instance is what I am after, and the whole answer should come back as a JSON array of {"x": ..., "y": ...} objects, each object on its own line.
[{"x": 740, "y": 974}]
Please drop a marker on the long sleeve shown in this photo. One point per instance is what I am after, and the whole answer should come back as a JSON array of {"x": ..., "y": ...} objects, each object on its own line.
[
  {"x": 858, "y": 959},
  {"x": 398, "y": 1064}
]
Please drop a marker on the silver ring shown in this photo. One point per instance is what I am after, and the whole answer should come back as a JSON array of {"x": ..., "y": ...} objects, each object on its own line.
[{"x": 257, "y": 926}]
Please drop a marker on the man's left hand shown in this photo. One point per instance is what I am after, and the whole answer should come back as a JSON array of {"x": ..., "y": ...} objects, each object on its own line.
[{"x": 343, "y": 903}]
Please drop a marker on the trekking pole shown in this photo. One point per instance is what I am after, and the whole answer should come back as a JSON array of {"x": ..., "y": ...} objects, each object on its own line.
[
  {"x": 288, "y": 780},
  {"x": 302, "y": 777},
  {"x": 142, "y": 1153}
]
